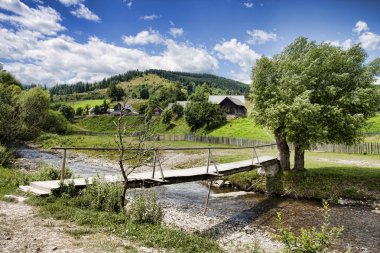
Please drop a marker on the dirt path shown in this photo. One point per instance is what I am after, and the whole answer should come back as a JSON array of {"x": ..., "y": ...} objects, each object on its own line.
[{"x": 22, "y": 230}]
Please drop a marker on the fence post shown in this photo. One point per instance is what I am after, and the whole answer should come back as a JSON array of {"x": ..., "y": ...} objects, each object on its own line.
[
  {"x": 63, "y": 166},
  {"x": 208, "y": 160},
  {"x": 154, "y": 162}
]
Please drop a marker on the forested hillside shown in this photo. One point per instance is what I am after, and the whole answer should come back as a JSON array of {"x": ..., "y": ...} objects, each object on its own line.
[{"x": 188, "y": 80}]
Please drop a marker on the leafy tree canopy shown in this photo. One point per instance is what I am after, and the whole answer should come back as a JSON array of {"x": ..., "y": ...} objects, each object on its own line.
[{"x": 314, "y": 93}]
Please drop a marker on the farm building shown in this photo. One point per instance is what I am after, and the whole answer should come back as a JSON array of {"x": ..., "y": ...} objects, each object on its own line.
[
  {"x": 183, "y": 103},
  {"x": 233, "y": 105}
]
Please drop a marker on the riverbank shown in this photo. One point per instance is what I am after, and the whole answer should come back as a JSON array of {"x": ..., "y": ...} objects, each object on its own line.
[{"x": 360, "y": 184}]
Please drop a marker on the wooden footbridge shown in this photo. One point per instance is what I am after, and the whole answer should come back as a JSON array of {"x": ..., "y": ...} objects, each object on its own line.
[{"x": 168, "y": 176}]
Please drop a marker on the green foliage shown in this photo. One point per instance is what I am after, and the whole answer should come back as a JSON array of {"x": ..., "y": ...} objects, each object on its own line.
[
  {"x": 79, "y": 111},
  {"x": 178, "y": 110},
  {"x": 6, "y": 155},
  {"x": 201, "y": 93},
  {"x": 309, "y": 240},
  {"x": 314, "y": 93},
  {"x": 199, "y": 114},
  {"x": 55, "y": 122},
  {"x": 115, "y": 93},
  {"x": 67, "y": 111},
  {"x": 145, "y": 208},
  {"x": 49, "y": 173},
  {"x": 166, "y": 116},
  {"x": 101, "y": 196},
  {"x": 33, "y": 106},
  {"x": 9, "y": 80}
]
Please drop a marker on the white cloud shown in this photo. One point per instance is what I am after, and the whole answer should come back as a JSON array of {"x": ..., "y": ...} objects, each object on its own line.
[
  {"x": 143, "y": 38},
  {"x": 176, "y": 32},
  {"x": 44, "y": 20},
  {"x": 360, "y": 26},
  {"x": 83, "y": 12},
  {"x": 248, "y": 4},
  {"x": 240, "y": 54},
  {"x": 129, "y": 3},
  {"x": 370, "y": 41},
  {"x": 150, "y": 17},
  {"x": 260, "y": 37},
  {"x": 171, "y": 23},
  {"x": 367, "y": 39},
  {"x": 344, "y": 44},
  {"x": 70, "y": 2},
  {"x": 377, "y": 82}
]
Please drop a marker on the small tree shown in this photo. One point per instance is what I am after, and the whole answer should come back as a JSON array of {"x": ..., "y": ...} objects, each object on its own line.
[
  {"x": 178, "y": 110},
  {"x": 314, "y": 93},
  {"x": 166, "y": 116},
  {"x": 68, "y": 112},
  {"x": 129, "y": 161},
  {"x": 79, "y": 111},
  {"x": 199, "y": 114},
  {"x": 115, "y": 93}
]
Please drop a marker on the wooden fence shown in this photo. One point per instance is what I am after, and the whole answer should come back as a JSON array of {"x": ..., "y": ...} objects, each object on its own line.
[{"x": 372, "y": 148}]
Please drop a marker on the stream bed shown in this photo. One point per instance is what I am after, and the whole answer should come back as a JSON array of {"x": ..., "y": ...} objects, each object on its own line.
[{"x": 361, "y": 224}]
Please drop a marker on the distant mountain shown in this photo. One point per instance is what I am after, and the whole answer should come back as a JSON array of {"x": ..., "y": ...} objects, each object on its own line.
[{"x": 187, "y": 80}]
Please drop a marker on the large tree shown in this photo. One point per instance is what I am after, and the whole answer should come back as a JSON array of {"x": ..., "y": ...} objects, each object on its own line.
[{"x": 314, "y": 93}]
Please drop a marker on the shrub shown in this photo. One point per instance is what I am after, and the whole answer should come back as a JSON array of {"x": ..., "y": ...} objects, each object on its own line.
[
  {"x": 6, "y": 155},
  {"x": 145, "y": 208},
  {"x": 50, "y": 173},
  {"x": 166, "y": 116},
  {"x": 79, "y": 111},
  {"x": 56, "y": 123},
  {"x": 68, "y": 112},
  {"x": 309, "y": 240},
  {"x": 199, "y": 114},
  {"x": 102, "y": 196},
  {"x": 178, "y": 110}
]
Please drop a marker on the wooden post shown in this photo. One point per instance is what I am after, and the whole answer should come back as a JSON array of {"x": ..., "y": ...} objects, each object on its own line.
[
  {"x": 208, "y": 197},
  {"x": 154, "y": 162},
  {"x": 63, "y": 166},
  {"x": 162, "y": 173},
  {"x": 208, "y": 160}
]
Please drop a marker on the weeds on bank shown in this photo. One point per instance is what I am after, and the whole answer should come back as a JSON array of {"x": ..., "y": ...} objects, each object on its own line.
[
  {"x": 309, "y": 240},
  {"x": 98, "y": 208}
]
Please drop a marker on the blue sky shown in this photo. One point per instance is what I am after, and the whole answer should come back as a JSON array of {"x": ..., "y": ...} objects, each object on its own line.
[{"x": 59, "y": 41}]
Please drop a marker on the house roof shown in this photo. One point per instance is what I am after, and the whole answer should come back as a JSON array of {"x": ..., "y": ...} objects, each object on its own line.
[
  {"x": 183, "y": 103},
  {"x": 217, "y": 99}
]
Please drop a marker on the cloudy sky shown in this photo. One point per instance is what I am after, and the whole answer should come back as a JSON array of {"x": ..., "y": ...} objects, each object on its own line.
[{"x": 65, "y": 41}]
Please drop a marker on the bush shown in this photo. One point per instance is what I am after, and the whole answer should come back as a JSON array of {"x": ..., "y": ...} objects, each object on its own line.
[
  {"x": 166, "y": 116},
  {"x": 6, "y": 155},
  {"x": 68, "y": 112},
  {"x": 102, "y": 196},
  {"x": 79, "y": 111},
  {"x": 145, "y": 208},
  {"x": 178, "y": 110},
  {"x": 49, "y": 173},
  {"x": 56, "y": 123},
  {"x": 199, "y": 114},
  {"x": 309, "y": 240}
]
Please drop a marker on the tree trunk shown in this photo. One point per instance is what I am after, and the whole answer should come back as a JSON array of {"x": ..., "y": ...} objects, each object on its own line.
[
  {"x": 283, "y": 149},
  {"x": 299, "y": 157}
]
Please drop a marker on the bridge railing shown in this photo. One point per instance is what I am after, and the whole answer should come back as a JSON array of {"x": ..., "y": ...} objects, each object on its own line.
[{"x": 156, "y": 159}]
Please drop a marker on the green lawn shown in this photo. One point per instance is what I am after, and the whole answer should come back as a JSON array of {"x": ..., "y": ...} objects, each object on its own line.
[
  {"x": 375, "y": 124},
  {"x": 105, "y": 123},
  {"x": 243, "y": 128},
  {"x": 83, "y": 103}
]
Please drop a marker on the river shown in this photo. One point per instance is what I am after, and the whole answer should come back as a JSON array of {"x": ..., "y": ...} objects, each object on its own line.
[{"x": 361, "y": 225}]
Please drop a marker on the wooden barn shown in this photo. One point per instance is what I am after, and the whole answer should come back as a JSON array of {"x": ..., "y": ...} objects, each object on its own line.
[{"x": 233, "y": 105}]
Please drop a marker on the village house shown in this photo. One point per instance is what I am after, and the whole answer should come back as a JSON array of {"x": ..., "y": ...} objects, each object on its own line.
[
  {"x": 232, "y": 105},
  {"x": 182, "y": 103}
]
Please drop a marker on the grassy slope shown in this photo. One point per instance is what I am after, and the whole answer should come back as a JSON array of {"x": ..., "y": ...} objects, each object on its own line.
[
  {"x": 242, "y": 128},
  {"x": 106, "y": 123},
  {"x": 375, "y": 124},
  {"x": 83, "y": 103},
  {"x": 150, "y": 79}
]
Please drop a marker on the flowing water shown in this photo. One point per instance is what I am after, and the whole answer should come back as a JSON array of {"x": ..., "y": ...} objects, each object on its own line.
[{"x": 361, "y": 225}]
